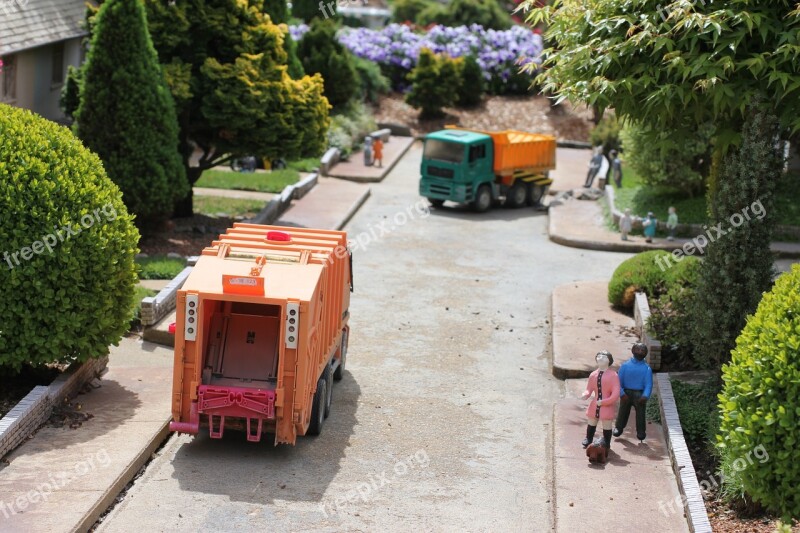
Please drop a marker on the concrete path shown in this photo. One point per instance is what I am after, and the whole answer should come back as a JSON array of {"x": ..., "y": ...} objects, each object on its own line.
[
  {"x": 572, "y": 165},
  {"x": 329, "y": 205},
  {"x": 63, "y": 479},
  {"x": 582, "y": 224},
  {"x": 353, "y": 169},
  {"x": 233, "y": 193},
  {"x": 634, "y": 491},
  {"x": 583, "y": 324}
]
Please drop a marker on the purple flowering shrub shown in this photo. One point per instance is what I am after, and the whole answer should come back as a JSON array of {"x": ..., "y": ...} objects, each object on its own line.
[{"x": 499, "y": 53}]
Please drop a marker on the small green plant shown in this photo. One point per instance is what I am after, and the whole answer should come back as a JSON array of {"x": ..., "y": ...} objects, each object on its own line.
[
  {"x": 68, "y": 294},
  {"x": 471, "y": 83},
  {"x": 643, "y": 273},
  {"x": 371, "y": 81},
  {"x": 320, "y": 52},
  {"x": 159, "y": 267},
  {"x": 760, "y": 398},
  {"x": 349, "y": 126},
  {"x": 434, "y": 83}
]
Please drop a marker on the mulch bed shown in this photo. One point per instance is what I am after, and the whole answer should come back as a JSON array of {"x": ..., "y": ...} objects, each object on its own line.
[
  {"x": 526, "y": 113},
  {"x": 14, "y": 387},
  {"x": 185, "y": 236}
]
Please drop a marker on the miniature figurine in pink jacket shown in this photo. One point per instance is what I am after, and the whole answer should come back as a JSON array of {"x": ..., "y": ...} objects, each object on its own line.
[{"x": 604, "y": 384}]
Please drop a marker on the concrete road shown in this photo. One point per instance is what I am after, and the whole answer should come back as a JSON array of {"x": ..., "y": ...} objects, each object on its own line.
[{"x": 443, "y": 419}]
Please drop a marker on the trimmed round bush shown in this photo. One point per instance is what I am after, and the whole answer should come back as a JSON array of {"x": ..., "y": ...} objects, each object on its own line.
[
  {"x": 643, "y": 273},
  {"x": 760, "y": 398},
  {"x": 67, "y": 275}
]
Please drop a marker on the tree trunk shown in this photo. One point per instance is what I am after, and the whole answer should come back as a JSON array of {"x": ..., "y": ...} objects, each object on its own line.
[{"x": 184, "y": 208}]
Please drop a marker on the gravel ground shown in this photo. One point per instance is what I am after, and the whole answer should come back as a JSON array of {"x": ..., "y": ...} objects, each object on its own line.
[{"x": 526, "y": 113}]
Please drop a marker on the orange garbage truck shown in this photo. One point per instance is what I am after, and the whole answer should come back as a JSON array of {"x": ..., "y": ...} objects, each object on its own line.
[
  {"x": 261, "y": 332},
  {"x": 479, "y": 168}
]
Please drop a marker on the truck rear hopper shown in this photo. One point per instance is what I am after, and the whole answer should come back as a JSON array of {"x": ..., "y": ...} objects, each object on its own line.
[{"x": 261, "y": 332}]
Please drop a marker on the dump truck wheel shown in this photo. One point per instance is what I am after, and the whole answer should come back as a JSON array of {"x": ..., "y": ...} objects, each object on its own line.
[
  {"x": 535, "y": 194},
  {"x": 436, "y": 202},
  {"x": 483, "y": 199},
  {"x": 516, "y": 195},
  {"x": 328, "y": 375},
  {"x": 339, "y": 373},
  {"x": 318, "y": 410}
]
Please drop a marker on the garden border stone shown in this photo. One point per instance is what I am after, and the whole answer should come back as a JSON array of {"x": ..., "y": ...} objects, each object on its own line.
[
  {"x": 37, "y": 406},
  {"x": 278, "y": 205},
  {"x": 641, "y": 314},
  {"x": 154, "y": 308},
  {"x": 329, "y": 159},
  {"x": 693, "y": 503}
]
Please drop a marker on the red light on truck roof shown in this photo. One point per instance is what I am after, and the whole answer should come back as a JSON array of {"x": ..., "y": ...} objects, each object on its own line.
[
  {"x": 278, "y": 236},
  {"x": 172, "y": 329}
]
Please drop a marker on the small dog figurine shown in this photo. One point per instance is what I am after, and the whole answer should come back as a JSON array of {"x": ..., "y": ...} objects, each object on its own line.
[{"x": 597, "y": 452}]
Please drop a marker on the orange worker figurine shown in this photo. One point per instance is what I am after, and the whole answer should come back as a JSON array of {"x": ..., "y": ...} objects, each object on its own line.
[{"x": 377, "y": 149}]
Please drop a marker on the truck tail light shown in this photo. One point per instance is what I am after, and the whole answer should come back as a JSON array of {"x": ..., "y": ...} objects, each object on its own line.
[
  {"x": 190, "y": 318},
  {"x": 292, "y": 327}
]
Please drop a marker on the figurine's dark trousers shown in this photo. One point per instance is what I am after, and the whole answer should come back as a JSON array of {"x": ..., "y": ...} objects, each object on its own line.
[{"x": 631, "y": 399}]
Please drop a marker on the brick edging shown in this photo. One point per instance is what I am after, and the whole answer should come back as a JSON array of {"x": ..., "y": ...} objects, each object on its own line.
[
  {"x": 693, "y": 503},
  {"x": 35, "y": 408}
]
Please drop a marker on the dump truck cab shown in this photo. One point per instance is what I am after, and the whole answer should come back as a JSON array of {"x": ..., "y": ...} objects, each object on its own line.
[
  {"x": 454, "y": 164},
  {"x": 478, "y": 168}
]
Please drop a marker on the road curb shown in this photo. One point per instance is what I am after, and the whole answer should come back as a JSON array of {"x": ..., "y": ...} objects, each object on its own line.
[
  {"x": 123, "y": 479},
  {"x": 354, "y": 208},
  {"x": 692, "y": 499}
]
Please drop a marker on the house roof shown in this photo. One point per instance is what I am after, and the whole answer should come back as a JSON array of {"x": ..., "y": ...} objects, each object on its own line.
[{"x": 28, "y": 24}]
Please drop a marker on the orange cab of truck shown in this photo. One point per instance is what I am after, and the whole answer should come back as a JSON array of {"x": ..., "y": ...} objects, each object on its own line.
[{"x": 261, "y": 332}]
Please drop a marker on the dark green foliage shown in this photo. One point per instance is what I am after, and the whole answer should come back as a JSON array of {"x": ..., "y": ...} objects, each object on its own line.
[
  {"x": 644, "y": 272},
  {"x": 294, "y": 66},
  {"x": 738, "y": 265},
  {"x": 71, "y": 92},
  {"x": 277, "y": 10},
  {"x": 671, "y": 318},
  {"x": 70, "y": 302},
  {"x": 434, "y": 83},
  {"x": 472, "y": 84},
  {"x": 665, "y": 157},
  {"x": 371, "y": 81},
  {"x": 127, "y": 116},
  {"x": 698, "y": 411},
  {"x": 760, "y": 398},
  {"x": 486, "y": 13},
  {"x": 408, "y": 10},
  {"x": 606, "y": 133},
  {"x": 320, "y": 52},
  {"x": 308, "y": 10}
]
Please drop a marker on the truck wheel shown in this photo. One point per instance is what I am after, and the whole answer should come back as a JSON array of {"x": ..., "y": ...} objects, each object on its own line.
[
  {"x": 535, "y": 194},
  {"x": 318, "y": 409},
  {"x": 339, "y": 373},
  {"x": 328, "y": 375},
  {"x": 516, "y": 195},
  {"x": 436, "y": 202},
  {"x": 483, "y": 199}
]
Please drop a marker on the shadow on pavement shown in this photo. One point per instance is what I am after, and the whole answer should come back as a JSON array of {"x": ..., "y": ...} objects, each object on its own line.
[
  {"x": 465, "y": 212},
  {"x": 261, "y": 473}
]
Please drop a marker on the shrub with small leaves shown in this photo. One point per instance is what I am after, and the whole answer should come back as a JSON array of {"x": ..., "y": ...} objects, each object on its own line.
[
  {"x": 434, "y": 83},
  {"x": 70, "y": 300},
  {"x": 760, "y": 400},
  {"x": 643, "y": 273},
  {"x": 471, "y": 83}
]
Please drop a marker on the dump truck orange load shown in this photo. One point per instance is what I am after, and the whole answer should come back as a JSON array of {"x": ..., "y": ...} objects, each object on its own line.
[
  {"x": 261, "y": 332},
  {"x": 520, "y": 150}
]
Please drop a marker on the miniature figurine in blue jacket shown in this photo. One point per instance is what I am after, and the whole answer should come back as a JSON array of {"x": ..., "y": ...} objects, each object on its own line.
[
  {"x": 650, "y": 224},
  {"x": 636, "y": 384}
]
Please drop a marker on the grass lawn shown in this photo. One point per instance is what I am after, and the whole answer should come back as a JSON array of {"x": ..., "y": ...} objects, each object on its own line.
[
  {"x": 309, "y": 164},
  {"x": 232, "y": 207},
  {"x": 273, "y": 181},
  {"x": 642, "y": 198},
  {"x": 159, "y": 267}
]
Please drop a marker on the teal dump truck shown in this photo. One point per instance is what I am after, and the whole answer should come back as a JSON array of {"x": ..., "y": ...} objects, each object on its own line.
[{"x": 479, "y": 168}]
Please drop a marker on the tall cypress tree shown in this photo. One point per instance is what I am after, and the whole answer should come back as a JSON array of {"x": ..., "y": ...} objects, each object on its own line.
[{"x": 127, "y": 115}]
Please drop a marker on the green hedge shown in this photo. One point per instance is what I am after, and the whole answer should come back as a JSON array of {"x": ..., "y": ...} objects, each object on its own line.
[
  {"x": 67, "y": 301},
  {"x": 760, "y": 401}
]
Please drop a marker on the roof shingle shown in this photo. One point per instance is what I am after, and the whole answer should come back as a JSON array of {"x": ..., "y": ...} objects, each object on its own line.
[{"x": 27, "y": 24}]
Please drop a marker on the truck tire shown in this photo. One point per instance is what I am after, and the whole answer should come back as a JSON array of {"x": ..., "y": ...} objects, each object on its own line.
[
  {"x": 339, "y": 373},
  {"x": 328, "y": 375},
  {"x": 318, "y": 409},
  {"x": 483, "y": 199},
  {"x": 535, "y": 194},
  {"x": 517, "y": 195},
  {"x": 436, "y": 202}
]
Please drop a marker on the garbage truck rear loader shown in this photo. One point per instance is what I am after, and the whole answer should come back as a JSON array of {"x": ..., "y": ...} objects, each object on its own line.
[{"x": 261, "y": 333}]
